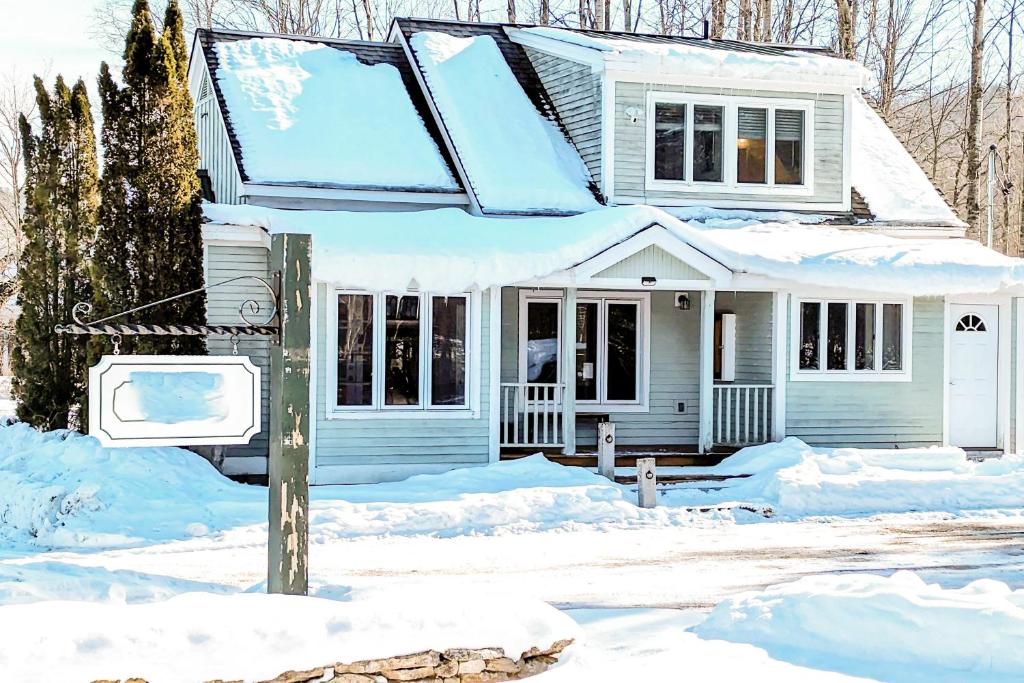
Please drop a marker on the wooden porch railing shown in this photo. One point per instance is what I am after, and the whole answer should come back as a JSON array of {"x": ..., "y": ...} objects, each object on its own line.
[
  {"x": 531, "y": 415},
  {"x": 742, "y": 414}
]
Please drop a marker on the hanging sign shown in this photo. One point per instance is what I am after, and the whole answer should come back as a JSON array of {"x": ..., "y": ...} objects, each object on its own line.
[{"x": 174, "y": 400}]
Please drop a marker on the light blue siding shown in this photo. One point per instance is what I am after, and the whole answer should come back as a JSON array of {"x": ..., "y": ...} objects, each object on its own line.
[
  {"x": 215, "y": 152},
  {"x": 222, "y": 304},
  {"x": 348, "y": 448},
  {"x": 753, "y": 333},
  {"x": 653, "y": 261},
  {"x": 878, "y": 414}
]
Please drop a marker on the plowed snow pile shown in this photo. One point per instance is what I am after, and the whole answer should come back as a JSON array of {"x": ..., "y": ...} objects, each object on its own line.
[
  {"x": 892, "y": 629},
  {"x": 797, "y": 480}
]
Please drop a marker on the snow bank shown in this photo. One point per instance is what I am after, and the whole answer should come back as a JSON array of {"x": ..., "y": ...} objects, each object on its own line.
[
  {"x": 448, "y": 250},
  {"x": 306, "y": 111},
  {"x": 254, "y": 636},
  {"x": 797, "y": 480},
  {"x": 886, "y": 175},
  {"x": 516, "y": 159},
  {"x": 893, "y": 629},
  {"x": 62, "y": 489},
  {"x": 695, "y": 59}
]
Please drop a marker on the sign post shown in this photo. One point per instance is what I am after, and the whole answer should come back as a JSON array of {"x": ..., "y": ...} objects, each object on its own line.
[{"x": 290, "y": 414}]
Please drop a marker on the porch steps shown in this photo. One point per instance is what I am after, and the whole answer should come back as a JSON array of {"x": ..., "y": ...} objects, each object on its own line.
[{"x": 626, "y": 458}]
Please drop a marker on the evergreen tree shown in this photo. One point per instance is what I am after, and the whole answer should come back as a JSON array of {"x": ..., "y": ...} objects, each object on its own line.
[
  {"x": 61, "y": 201},
  {"x": 149, "y": 243}
]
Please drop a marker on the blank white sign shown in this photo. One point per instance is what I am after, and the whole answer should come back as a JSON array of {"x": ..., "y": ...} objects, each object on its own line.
[{"x": 174, "y": 400}]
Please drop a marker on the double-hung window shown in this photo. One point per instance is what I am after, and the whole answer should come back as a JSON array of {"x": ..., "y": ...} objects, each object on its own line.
[
  {"x": 729, "y": 144},
  {"x": 401, "y": 352},
  {"x": 851, "y": 339},
  {"x": 609, "y": 346}
]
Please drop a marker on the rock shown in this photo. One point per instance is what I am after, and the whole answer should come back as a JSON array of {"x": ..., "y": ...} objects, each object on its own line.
[
  {"x": 555, "y": 649},
  {"x": 472, "y": 666},
  {"x": 461, "y": 654},
  {"x": 298, "y": 676},
  {"x": 487, "y": 677},
  {"x": 447, "y": 668},
  {"x": 531, "y": 666},
  {"x": 503, "y": 665},
  {"x": 372, "y": 666},
  {"x": 356, "y": 678},
  {"x": 409, "y": 674}
]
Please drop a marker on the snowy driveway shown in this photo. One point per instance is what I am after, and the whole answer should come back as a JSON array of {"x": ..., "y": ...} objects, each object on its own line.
[{"x": 678, "y": 567}]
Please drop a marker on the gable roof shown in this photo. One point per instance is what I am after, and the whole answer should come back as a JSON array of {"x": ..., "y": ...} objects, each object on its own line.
[
  {"x": 513, "y": 152},
  {"x": 290, "y": 122}
]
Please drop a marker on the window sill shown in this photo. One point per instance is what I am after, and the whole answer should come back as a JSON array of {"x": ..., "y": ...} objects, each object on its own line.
[
  {"x": 399, "y": 414},
  {"x": 729, "y": 188},
  {"x": 865, "y": 377}
]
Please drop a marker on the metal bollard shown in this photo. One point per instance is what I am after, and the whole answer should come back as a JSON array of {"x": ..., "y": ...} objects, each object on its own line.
[
  {"x": 646, "y": 483},
  {"x": 606, "y": 449}
]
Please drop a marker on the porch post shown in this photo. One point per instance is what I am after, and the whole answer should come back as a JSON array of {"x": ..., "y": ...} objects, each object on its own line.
[
  {"x": 569, "y": 371},
  {"x": 780, "y": 354},
  {"x": 707, "y": 370},
  {"x": 288, "y": 467}
]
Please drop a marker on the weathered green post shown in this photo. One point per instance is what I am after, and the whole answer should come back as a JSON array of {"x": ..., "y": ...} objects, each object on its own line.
[{"x": 290, "y": 414}]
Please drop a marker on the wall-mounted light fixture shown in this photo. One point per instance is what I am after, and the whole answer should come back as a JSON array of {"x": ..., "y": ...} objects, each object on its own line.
[
  {"x": 633, "y": 113},
  {"x": 683, "y": 301},
  {"x": 648, "y": 281}
]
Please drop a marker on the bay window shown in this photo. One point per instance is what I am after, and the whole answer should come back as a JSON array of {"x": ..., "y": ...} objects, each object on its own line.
[
  {"x": 739, "y": 144},
  {"x": 401, "y": 352},
  {"x": 611, "y": 330},
  {"x": 850, "y": 339}
]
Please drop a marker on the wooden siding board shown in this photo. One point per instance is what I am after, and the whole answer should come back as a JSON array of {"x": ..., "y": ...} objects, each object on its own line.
[
  {"x": 381, "y": 442},
  {"x": 222, "y": 304},
  {"x": 878, "y": 414},
  {"x": 630, "y": 146},
  {"x": 653, "y": 261},
  {"x": 216, "y": 155}
]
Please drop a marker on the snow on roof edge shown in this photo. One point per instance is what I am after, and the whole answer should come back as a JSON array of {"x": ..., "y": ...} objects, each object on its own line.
[{"x": 450, "y": 250}]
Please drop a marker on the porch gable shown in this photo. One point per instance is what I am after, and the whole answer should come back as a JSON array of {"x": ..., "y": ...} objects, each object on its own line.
[{"x": 653, "y": 261}]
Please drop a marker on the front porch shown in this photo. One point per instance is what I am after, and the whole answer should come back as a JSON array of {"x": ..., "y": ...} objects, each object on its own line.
[{"x": 687, "y": 376}]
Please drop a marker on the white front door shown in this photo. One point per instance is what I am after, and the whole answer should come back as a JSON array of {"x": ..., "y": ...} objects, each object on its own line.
[{"x": 973, "y": 377}]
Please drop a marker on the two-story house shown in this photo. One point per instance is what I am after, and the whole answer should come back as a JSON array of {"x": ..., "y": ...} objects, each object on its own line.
[{"x": 520, "y": 232}]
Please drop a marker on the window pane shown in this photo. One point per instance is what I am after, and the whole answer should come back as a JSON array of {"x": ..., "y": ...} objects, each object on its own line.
[
  {"x": 751, "y": 145},
  {"x": 355, "y": 350},
  {"x": 542, "y": 342},
  {"x": 707, "y": 143},
  {"x": 669, "y": 141},
  {"x": 836, "y": 336},
  {"x": 864, "y": 333},
  {"x": 448, "y": 351},
  {"x": 892, "y": 336},
  {"x": 622, "y": 352},
  {"x": 586, "y": 351},
  {"x": 402, "y": 351},
  {"x": 789, "y": 147},
  {"x": 810, "y": 327}
]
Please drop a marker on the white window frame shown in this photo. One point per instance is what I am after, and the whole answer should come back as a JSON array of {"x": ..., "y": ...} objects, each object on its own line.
[
  {"x": 730, "y": 105},
  {"x": 379, "y": 409},
  {"x": 603, "y": 298},
  {"x": 822, "y": 374}
]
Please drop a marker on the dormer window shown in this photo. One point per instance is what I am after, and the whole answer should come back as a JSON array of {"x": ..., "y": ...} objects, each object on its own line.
[{"x": 729, "y": 144}]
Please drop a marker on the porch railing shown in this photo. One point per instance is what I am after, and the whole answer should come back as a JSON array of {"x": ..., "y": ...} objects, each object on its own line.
[
  {"x": 531, "y": 415},
  {"x": 742, "y": 414}
]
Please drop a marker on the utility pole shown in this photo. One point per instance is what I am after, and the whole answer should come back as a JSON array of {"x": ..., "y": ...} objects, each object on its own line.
[{"x": 991, "y": 190}]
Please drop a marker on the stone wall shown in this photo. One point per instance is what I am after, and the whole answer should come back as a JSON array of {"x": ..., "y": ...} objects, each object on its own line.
[{"x": 459, "y": 665}]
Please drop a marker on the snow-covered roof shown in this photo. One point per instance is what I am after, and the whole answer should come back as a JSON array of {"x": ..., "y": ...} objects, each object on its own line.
[
  {"x": 515, "y": 159},
  {"x": 887, "y": 176},
  {"x": 707, "y": 58},
  {"x": 312, "y": 112},
  {"x": 449, "y": 250}
]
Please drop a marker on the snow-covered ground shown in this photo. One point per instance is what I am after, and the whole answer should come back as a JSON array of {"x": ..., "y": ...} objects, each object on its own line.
[{"x": 131, "y": 527}]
